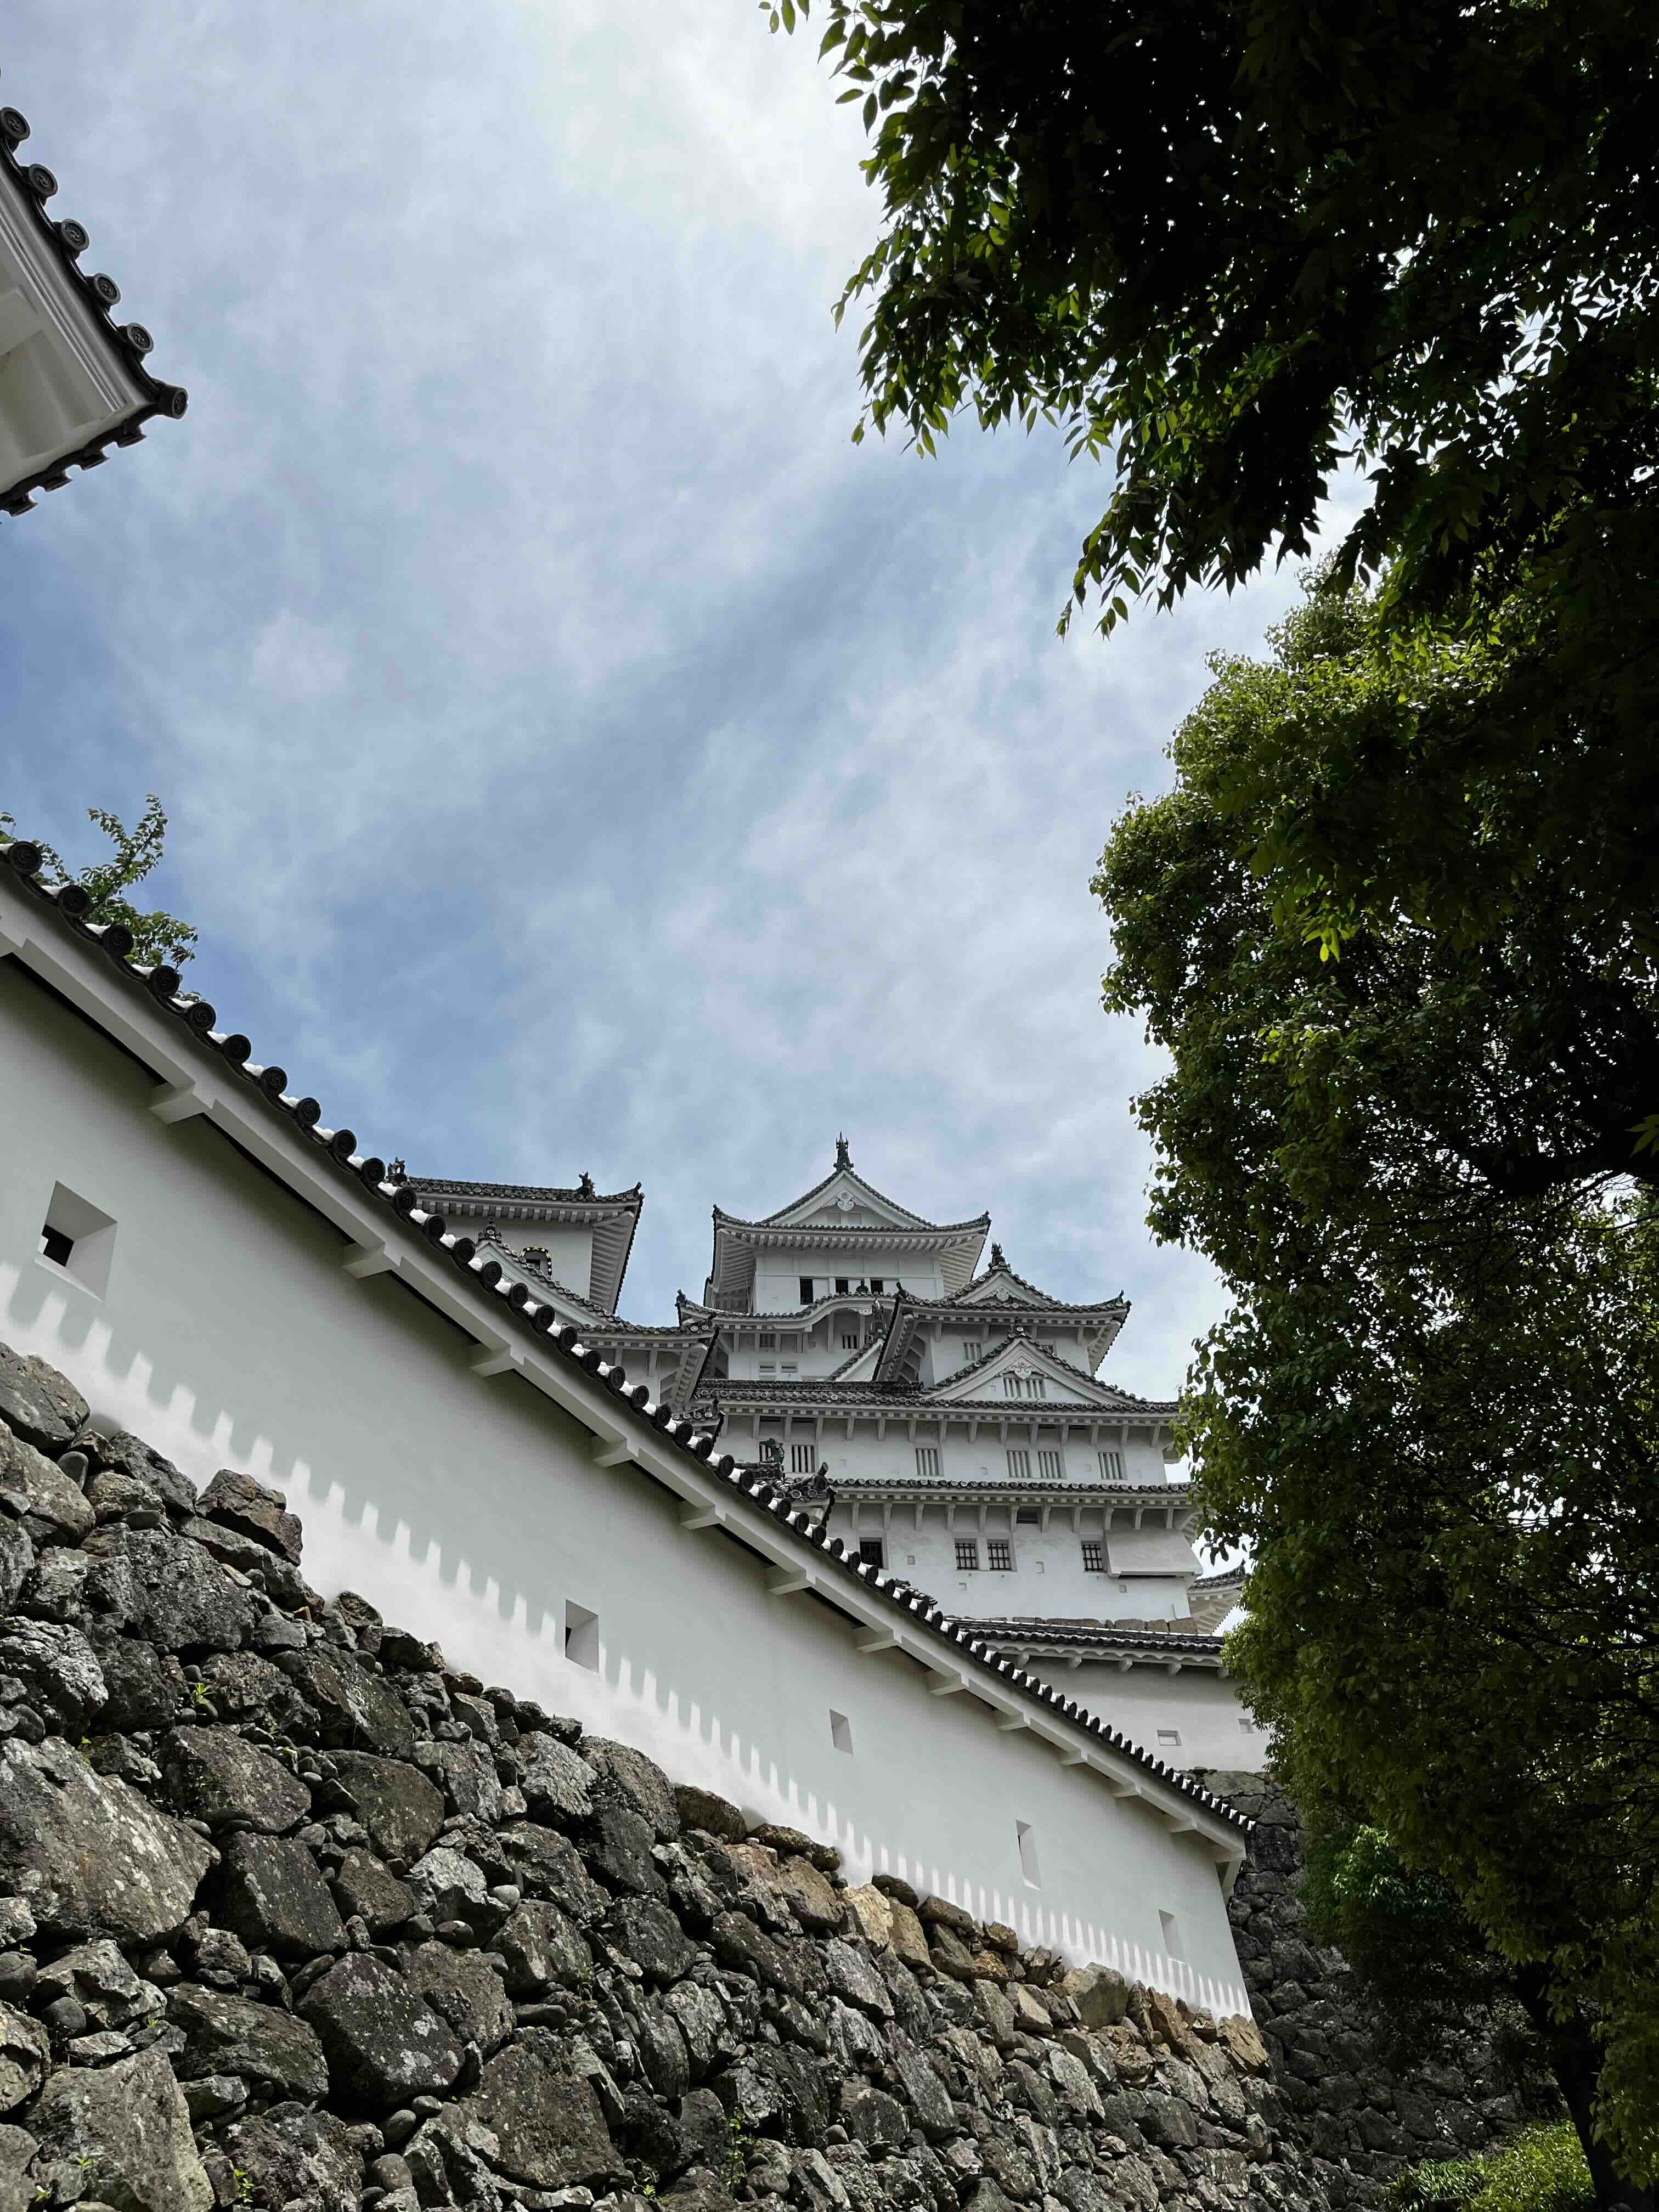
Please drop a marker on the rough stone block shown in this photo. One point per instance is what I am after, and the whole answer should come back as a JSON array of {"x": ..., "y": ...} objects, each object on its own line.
[
  {"x": 213, "y": 1775},
  {"x": 384, "y": 2041},
  {"x": 467, "y": 1990},
  {"x": 275, "y": 1897},
  {"x": 546, "y": 2118},
  {"x": 400, "y": 1808},
  {"x": 714, "y": 1815},
  {"x": 88, "y": 1851},
  {"x": 120, "y": 2134},
  {"x": 37, "y": 1403},
  {"x": 25, "y": 2055},
  {"x": 35, "y": 1491},
  {"x": 238, "y": 1502},
  {"x": 226, "y": 2034}
]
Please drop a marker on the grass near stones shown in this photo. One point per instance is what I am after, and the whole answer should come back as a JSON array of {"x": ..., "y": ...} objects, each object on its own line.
[{"x": 1541, "y": 2171}]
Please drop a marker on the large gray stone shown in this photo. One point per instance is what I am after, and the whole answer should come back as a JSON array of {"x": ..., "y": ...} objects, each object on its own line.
[
  {"x": 16, "y": 1559},
  {"x": 16, "y": 2153},
  {"x": 540, "y": 1946},
  {"x": 87, "y": 1852},
  {"x": 402, "y": 1810},
  {"x": 37, "y": 1403},
  {"x": 25, "y": 2054},
  {"x": 385, "y": 2043},
  {"x": 546, "y": 2118},
  {"x": 130, "y": 1455},
  {"x": 547, "y": 1864},
  {"x": 466, "y": 1774},
  {"x": 303, "y": 2161},
  {"x": 363, "y": 1888},
  {"x": 716, "y": 1816},
  {"x": 740, "y": 1943},
  {"x": 356, "y": 1709},
  {"x": 146, "y": 1687},
  {"x": 556, "y": 1781},
  {"x": 925, "y": 2094},
  {"x": 627, "y": 1777},
  {"x": 1100, "y": 1994},
  {"x": 211, "y": 1774},
  {"x": 854, "y": 1976},
  {"x": 619, "y": 1846},
  {"x": 467, "y": 1990},
  {"x": 240, "y": 1503},
  {"x": 646, "y": 1930},
  {"x": 120, "y": 2135},
  {"x": 81, "y": 1589},
  {"x": 184, "y": 1601},
  {"x": 275, "y": 1897},
  {"x": 452, "y": 1886},
  {"x": 36, "y": 1492},
  {"x": 60, "y": 1670},
  {"x": 226, "y": 2034},
  {"x": 102, "y": 1982}
]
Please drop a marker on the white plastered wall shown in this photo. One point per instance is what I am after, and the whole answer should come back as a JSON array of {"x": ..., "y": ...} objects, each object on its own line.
[
  {"x": 1199, "y": 1704},
  {"x": 471, "y": 1510}
]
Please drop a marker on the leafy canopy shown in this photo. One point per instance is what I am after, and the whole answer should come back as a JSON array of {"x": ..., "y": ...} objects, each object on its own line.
[
  {"x": 1235, "y": 243},
  {"x": 1432, "y": 1412},
  {"x": 158, "y": 938}
]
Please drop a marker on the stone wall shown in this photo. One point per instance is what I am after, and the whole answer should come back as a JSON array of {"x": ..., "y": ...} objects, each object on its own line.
[
  {"x": 1357, "y": 2121},
  {"x": 294, "y": 1914}
]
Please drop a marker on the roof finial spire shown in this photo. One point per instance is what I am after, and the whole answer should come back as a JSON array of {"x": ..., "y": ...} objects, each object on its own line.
[{"x": 843, "y": 1157}]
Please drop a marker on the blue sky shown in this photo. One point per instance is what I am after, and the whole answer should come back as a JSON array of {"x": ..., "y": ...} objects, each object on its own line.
[{"x": 579, "y": 754}]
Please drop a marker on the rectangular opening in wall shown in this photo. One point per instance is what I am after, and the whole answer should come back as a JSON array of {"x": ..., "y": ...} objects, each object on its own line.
[
  {"x": 1171, "y": 1930},
  {"x": 872, "y": 1551},
  {"x": 802, "y": 1459},
  {"x": 1094, "y": 1556},
  {"x": 1028, "y": 1856},
  {"x": 1168, "y": 1739},
  {"x": 841, "y": 1732},
  {"x": 968, "y": 1554},
  {"x": 78, "y": 1239},
  {"x": 928, "y": 1462},
  {"x": 581, "y": 1636},
  {"x": 999, "y": 1552}
]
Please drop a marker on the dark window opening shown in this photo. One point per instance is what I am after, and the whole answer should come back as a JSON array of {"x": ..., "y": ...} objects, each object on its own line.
[
  {"x": 967, "y": 1552},
  {"x": 872, "y": 1553},
  {"x": 806, "y": 1290},
  {"x": 843, "y": 1283},
  {"x": 1001, "y": 1554},
  {"x": 55, "y": 1246}
]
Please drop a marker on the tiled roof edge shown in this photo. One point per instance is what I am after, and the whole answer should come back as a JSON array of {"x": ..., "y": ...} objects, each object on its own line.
[
  {"x": 70, "y": 903},
  {"x": 68, "y": 241}
]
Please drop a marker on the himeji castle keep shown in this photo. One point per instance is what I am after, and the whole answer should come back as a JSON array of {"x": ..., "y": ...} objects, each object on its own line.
[{"x": 944, "y": 1418}]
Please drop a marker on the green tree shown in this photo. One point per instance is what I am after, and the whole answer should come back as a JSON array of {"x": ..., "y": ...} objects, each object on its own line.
[
  {"x": 1428, "y": 1981},
  {"x": 158, "y": 938},
  {"x": 1432, "y": 1412},
  {"x": 1233, "y": 244}
]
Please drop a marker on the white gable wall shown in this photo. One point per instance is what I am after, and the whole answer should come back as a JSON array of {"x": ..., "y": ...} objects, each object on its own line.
[
  {"x": 1191, "y": 1718},
  {"x": 473, "y": 1510}
]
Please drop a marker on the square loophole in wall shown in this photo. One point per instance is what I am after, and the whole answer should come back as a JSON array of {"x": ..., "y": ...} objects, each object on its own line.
[
  {"x": 841, "y": 1732},
  {"x": 1170, "y": 1929},
  {"x": 581, "y": 1636},
  {"x": 1026, "y": 1836},
  {"x": 78, "y": 1239}
]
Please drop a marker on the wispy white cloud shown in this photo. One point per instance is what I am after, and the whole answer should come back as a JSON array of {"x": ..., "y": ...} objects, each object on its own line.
[{"x": 579, "y": 754}]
